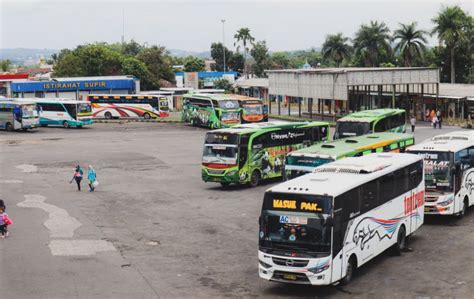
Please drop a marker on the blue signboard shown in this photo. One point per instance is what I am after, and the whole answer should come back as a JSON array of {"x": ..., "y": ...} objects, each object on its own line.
[{"x": 73, "y": 85}]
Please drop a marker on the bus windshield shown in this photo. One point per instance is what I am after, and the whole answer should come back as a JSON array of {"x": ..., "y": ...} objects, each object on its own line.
[
  {"x": 220, "y": 147},
  {"x": 351, "y": 128},
  {"x": 29, "y": 110},
  {"x": 229, "y": 104},
  {"x": 296, "y": 222},
  {"x": 437, "y": 170},
  {"x": 84, "y": 108},
  {"x": 164, "y": 105},
  {"x": 253, "y": 109}
]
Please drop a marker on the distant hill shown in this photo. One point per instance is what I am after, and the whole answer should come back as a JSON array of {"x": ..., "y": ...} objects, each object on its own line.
[
  {"x": 183, "y": 53},
  {"x": 22, "y": 55}
]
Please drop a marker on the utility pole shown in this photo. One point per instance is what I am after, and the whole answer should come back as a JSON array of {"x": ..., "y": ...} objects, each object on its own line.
[
  {"x": 123, "y": 26},
  {"x": 223, "y": 40}
]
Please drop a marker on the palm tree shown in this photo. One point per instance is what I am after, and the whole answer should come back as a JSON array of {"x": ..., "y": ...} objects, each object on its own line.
[
  {"x": 244, "y": 37},
  {"x": 452, "y": 26},
  {"x": 371, "y": 40},
  {"x": 411, "y": 42},
  {"x": 336, "y": 48}
]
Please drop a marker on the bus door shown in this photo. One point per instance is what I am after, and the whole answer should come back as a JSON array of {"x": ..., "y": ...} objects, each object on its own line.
[
  {"x": 337, "y": 245},
  {"x": 72, "y": 110}
]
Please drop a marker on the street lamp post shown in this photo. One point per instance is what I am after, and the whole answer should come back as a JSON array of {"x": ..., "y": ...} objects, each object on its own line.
[{"x": 223, "y": 40}]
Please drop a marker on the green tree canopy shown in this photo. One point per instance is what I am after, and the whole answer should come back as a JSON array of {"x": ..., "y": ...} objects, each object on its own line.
[
  {"x": 411, "y": 43},
  {"x": 280, "y": 60},
  {"x": 336, "y": 48},
  {"x": 217, "y": 53},
  {"x": 194, "y": 64},
  {"x": 262, "y": 59},
  {"x": 372, "y": 43},
  {"x": 159, "y": 63},
  {"x": 454, "y": 28},
  {"x": 5, "y": 65}
]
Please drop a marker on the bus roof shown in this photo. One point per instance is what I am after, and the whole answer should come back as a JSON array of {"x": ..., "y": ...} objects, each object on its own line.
[
  {"x": 15, "y": 102},
  {"x": 108, "y": 95},
  {"x": 342, "y": 147},
  {"x": 255, "y": 127},
  {"x": 52, "y": 100},
  {"x": 337, "y": 177},
  {"x": 450, "y": 142},
  {"x": 219, "y": 97},
  {"x": 370, "y": 115}
]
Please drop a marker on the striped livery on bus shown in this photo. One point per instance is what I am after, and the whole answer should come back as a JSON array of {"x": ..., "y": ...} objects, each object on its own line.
[{"x": 128, "y": 106}]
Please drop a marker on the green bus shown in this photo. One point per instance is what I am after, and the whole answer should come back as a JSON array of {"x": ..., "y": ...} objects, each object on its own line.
[
  {"x": 211, "y": 110},
  {"x": 371, "y": 121},
  {"x": 249, "y": 153},
  {"x": 305, "y": 160}
]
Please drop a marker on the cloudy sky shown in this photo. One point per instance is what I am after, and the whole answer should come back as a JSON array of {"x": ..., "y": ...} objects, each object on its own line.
[{"x": 194, "y": 25}]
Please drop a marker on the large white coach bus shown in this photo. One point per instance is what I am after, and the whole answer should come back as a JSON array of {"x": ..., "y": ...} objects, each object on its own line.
[
  {"x": 449, "y": 172},
  {"x": 319, "y": 228}
]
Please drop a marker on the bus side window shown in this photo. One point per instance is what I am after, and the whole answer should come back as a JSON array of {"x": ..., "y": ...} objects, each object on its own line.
[
  {"x": 402, "y": 183},
  {"x": 243, "y": 150},
  {"x": 381, "y": 125},
  {"x": 416, "y": 174},
  {"x": 369, "y": 194},
  {"x": 387, "y": 188},
  {"x": 316, "y": 134}
]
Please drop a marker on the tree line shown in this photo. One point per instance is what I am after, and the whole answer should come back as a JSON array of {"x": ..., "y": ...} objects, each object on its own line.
[{"x": 373, "y": 45}]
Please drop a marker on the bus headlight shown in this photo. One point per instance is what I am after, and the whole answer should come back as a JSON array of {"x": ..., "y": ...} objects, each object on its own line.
[
  {"x": 446, "y": 202},
  {"x": 231, "y": 173},
  {"x": 318, "y": 269}
]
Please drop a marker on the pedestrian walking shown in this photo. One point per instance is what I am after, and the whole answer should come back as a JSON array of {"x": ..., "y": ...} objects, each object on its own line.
[
  {"x": 92, "y": 177},
  {"x": 78, "y": 173},
  {"x": 5, "y": 221},
  {"x": 434, "y": 121},
  {"x": 440, "y": 118},
  {"x": 413, "y": 123}
]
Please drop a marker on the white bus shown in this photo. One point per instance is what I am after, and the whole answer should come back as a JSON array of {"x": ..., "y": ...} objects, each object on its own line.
[
  {"x": 128, "y": 106},
  {"x": 62, "y": 112},
  {"x": 319, "y": 228},
  {"x": 18, "y": 115},
  {"x": 449, "y": 172}
]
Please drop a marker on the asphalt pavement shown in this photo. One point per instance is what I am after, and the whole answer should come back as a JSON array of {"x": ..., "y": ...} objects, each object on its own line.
[{"x": 153, "y": 229}]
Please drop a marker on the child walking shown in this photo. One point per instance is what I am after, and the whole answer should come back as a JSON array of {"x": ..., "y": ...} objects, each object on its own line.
[{"x": 5, "y": 221}]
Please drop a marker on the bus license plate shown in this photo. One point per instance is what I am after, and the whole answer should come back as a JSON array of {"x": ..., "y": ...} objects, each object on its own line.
[{"x": 289, "y": 276}]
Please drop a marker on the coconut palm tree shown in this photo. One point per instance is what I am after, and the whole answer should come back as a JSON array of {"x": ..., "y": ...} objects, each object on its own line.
[
  {"x": 411, "y": 42},
  {"x": 244, "y": 37},
  {"x": 371, "y": 41},
  {"x": 452, "y": 26},
  {"x": 336, "y": 48}
]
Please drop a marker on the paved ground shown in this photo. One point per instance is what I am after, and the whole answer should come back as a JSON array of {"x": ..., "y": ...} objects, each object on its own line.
[{"x": 154, "y": 229}]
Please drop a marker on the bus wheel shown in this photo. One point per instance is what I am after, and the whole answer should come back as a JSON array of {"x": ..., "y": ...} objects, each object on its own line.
[
  {"x": 79, "y": 127},
  {"x": 225, "y": 184},
  {"x": 65, "y": 124},
  {"x": 461, "y": 214},
  {"x": 351, "y": 267},
  {"x": 146, "y": 116},
  {"x": 108, "y": 115},
  {"x": 255, "y": 178},
  {"x": 9, "y": 127},
  {"x": 401, "y": 241}
]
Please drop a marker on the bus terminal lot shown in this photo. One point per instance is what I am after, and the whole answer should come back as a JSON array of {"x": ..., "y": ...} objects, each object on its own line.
[{"x": 154, "y": 229}]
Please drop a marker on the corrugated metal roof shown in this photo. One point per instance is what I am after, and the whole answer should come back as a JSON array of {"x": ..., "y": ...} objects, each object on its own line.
[
  {"x": 92, "y": 78},
  {"x": 349, "y": 69},
  {"x": 456, "y": 90},
  {"x": 252, "y": 82}
]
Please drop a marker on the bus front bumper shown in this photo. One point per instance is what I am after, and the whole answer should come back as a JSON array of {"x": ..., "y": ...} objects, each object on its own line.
[
  {"x": 309, "y": 275},
  {"x": 439, "y": 204},
  {"x": 230, "y": 175}
]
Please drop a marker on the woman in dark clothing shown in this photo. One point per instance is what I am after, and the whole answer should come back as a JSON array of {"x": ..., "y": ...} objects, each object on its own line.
[{"x": 78, "y": 177}]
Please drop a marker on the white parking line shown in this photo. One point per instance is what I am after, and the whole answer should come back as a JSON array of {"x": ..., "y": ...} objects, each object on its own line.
[
  {"x": 27, "y": 168},
  {"x": 10, "y": 182},
  {"x": 61, "y": 225}
]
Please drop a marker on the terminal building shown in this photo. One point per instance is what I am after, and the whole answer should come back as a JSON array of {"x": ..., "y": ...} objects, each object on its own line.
[{"x": 75, "y": 87}]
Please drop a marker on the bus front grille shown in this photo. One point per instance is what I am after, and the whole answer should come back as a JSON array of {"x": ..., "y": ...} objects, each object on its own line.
[
  {"x": 215, "y": 171},
  {"x": 290, "y": 277},
  {"x": 290, "y": 262}
]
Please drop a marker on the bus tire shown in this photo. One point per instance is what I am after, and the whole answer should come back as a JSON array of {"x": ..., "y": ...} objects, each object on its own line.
[
  {"x": 146, "y": 115},
  {"x": 9, "y": 127},
  {"x": 351, "y": 267},
  {"x": 66, "y": 124},
  {"x": 108, "y": 115},
  {"x": 225, "y": 185},
  {"x": 461, "y": 214},
  {"x": 79, "y": 127},
  {"x": 255, "y": 178},
  {"x": 401, "y": 241}
]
